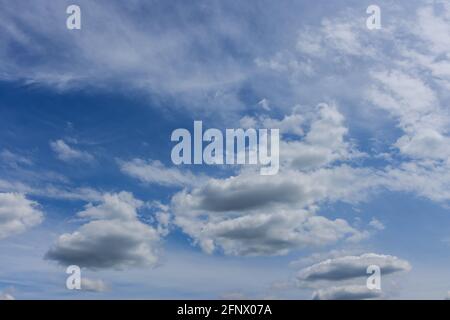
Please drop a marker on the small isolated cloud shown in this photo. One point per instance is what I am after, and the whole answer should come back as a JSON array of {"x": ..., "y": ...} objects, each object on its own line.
[
  {"x": 66, "y": 153},
  {"x": 349, "y": 292},
  {"x": 114, "y": 238},
  {"x": 93, "y": 285},
  {"x": 17, "y": 214},
  {"x": 154, "y": 172},
  {"x": 376, "y": 224},
  {"x": 351, "y": 267}
]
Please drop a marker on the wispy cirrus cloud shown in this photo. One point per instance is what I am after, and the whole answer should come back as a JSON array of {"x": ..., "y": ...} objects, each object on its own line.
[
  {"x": 67, "y": 153},
  {"x": 155, "y": 172}
]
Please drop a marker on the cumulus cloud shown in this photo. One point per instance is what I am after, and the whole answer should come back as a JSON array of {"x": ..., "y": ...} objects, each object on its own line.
[
  {"x": 154, "y": 172},
  {"x": 253, "y": 214},
  {"x": 349, "y": 292},
  {"x": 114, "y": 238},
  {"x": 269, "y": 234},
  {"x": 17, "y": 214},
  {"x": 107, "y": 244},
  {"x": 351, "y": 267},
  {"x": 250, "y": 214},
  {"x": 323, "y": 144},
  {"x": 67, "y": 153},
  {"x": 343, "y": 277},
  {"x": 120, "y": 206}
]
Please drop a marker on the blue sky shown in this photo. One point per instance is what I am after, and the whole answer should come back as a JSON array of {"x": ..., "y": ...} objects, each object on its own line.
[{"x": 86, "y": 175}]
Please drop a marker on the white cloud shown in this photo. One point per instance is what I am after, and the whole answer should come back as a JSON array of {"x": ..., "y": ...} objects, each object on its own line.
[
  {"x": 17, "y": 214},
  {"x": 343, "y": 37},
  {"x": 154, "y": 172},
  {"x": 107, "y": 244},
  {"x": 66, "y": 153},
  {"x": 414, "y": 92},
  {"x": 247, "y": 214},
  {"x": 348, "y": 292},
  {"x": 121, "y": 206},
  {"x": 13, "y": 159},
  {"x": 290, "y": 124},
  {"x": 6, "y": 296},
  {"x": 426, "y": 179},
  {"x": 323, "y": 144},
  {"x": 343, "y": 277},
  {"x": 351, "y": 267},
  {"x": 319, "y": 256},
  {"x": 377, "y": 224},
  {"x": 286, "y": 63},
  {"x": 434, "y": 27},
  {"x": 94, "y": 285},
  {"x": 115, "y": 238},
  {"x": 130, "y": 55},
  {"x": 409, "y": 99},
  {"x": 425, "y": 144},
  {"x": 250, "y": 214},
  {"x": 55, "y": 191},
  {"x": 264, "y": 104},
  {"x": 266, "y": 233}
]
